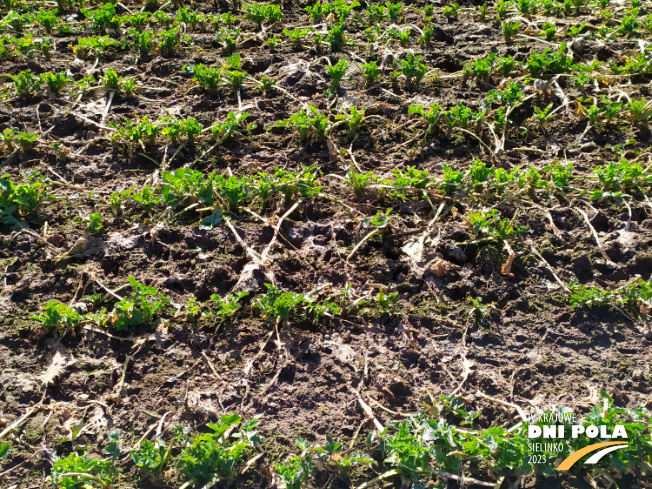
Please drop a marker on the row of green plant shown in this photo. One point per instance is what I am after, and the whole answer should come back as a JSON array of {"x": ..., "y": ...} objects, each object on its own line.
[
  {"x": 431, "y": 447},
  {"x": 144, "y": 40},
  {"x": 26, "y": 84},
  {"x": 185, "y": 190},
  {"x": 146, "y": 306},
  {"x": 20, "y": 201},
  {"x": 634, "y": 298}
]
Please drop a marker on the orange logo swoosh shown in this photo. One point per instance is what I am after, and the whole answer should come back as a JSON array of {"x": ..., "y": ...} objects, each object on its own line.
[{"x": 575, "y": 456}]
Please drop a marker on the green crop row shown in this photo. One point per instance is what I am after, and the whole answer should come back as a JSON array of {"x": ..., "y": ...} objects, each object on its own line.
[{"x": 430, "y": 448}]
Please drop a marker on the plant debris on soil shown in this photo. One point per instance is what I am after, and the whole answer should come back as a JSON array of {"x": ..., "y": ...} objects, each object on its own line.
[{"x": 302, "y": 244}]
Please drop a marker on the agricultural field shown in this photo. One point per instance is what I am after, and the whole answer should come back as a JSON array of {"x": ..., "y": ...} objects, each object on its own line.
[{"x": 323, "y": 245}]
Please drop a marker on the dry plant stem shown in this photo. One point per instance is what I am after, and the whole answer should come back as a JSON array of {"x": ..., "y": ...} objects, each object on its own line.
[
  {"x": 250, "y": 251},
  {"x": 210, "y": 364},
  {"x": 595, "y": 236},
  {"x": 518, "y": 409},
  {"x": 97, "y": 124},
  {"x": 368, "y": 411},
  {"x": 124, "y": 373},
  {"x": 108, "y": 335},
  {"x": 2, "y": 474},
  {"x": 250, "y": 462},
  {"x": 108, "y": 106},
  {"x": 479, "y": 140},
  {"x": 371, "y": 483},
  {"x": 469, "y": 480},
  {"x": 86, "y": 476},
  {"x": 365, "y": 239},
  {"x": 466, "y": 365},
  {"x": 250, "y": 363},
  {"x": 277, "y": 228},
  {"x": 547, "y": 265},
  {"x": 32, "y": 233},
  {"x": 387, "y": 410},
  {"x": 18, "y": 422},
  {"x": 109, "y": 291}
]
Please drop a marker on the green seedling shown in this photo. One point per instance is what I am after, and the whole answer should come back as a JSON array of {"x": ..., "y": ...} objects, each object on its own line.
[
  {"x": 452, "y": 11},
  {"x": 640, "y": 111},
  {"x": 353, "y": 120},
  {"x": 228, "y": 40},
  {"x": 17, "y": 21},
  {"x": 483, "y": 10},
  {"x": 152, "y": 457},
  {"x": 137, "y": 21},
  {"x": 145, "y": 198},
  {"x": 207, "y": 78},
  {"x": 267, "y": 84},
  {"x": 163, "y": 18},
  {"x": 310, "y": 124},
  {"x": 629, "y": 24},
  {"x": 386, "y": 301},
  {"x": 550, "y": 62},
  {"x": 622, "y": 176},
  {"x": 90, "y": 47},
  {"x": 482, "y": 68},
  {"x": 293, "y": 184},
  {"x": 543, "y": 116},
  {"x": 175, "y": 130},
  {"x": 212, "y": 457},
  {"x": 559, "y": 174},
  {"x": 433, "y": 115},
  {"x": 26, "y": 141},
  {"x": 226, "y": 307},
  {"x": 234, "y": 75},
  {"x": 479, "y": 312},
  {"x": 394, "y": 10},
  {"x": 489, "y": 225},
  {"x": 413, "y": 69},
  {"x": 18, "y": 201},
  {"x": 371, "y": 72},
  {"x": 509, "y": 29},
  {"x": 277, "y": 306},
  {"x": 339, "y": 8},
  {"x": 549, "y": 30},
  {"x": 77, "y": 471},
  {"x": 233, "y": 124},
  {"x": 582, "y": 296},
  {"x": 47, "y": 19},
  {"x": 188, "y": 17},
  {"x": 140, "y": 307},
  {"x": 94, "y": 224},
  {"x": 26, "y": 84},
  {"x": 273, "y": 41},
  {"x": 298, "y": 36},
  {"x": 168, "y": 42},
  {"x": 402, "y": 36},
  {"x": 376, "y": 13},
  {"x": 526, "y": 7},
  {"x": 133, "y": 133},
  {"x": 112, "y": 81},
  {"x": 336, "y": 73},
  {"x": 142, "y": 43},
  {"x": 297, "y": 470},
  {"x": 260, "y": 14},
  {"x": 502, "y": 6},
  {"x": 55, "y": 81},
  {"x": 336, "y": 37},
  {"x": 192, "y": 310},
  {"x": 58, "y": 317},
  {"x": 103, "y": 18}
]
